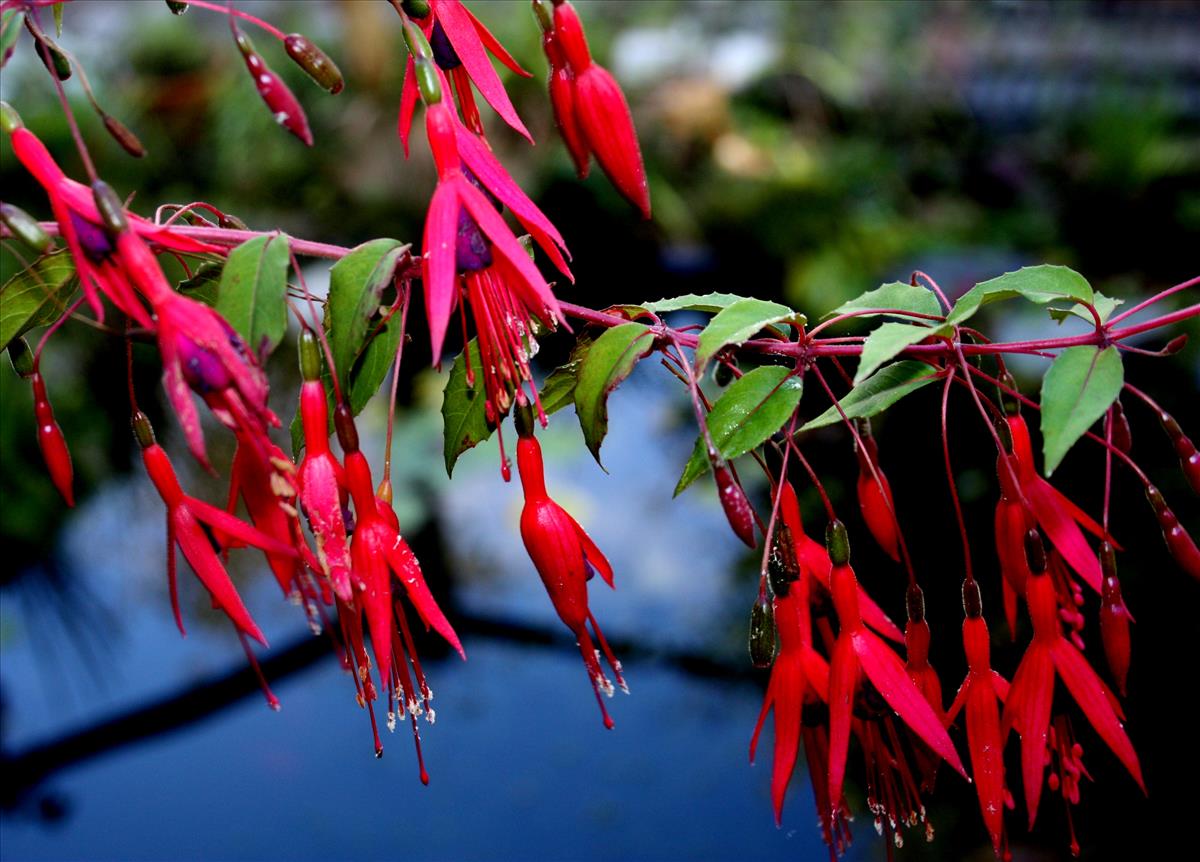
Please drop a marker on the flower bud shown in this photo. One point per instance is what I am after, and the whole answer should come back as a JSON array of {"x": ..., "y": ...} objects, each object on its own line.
[
  {"x": 347, "y": 434},
  {"x": 112, "y": 211},
  {"x": 122, "y": 135},
  {"x": 1035, "y": 552},
  {"x": 51, "y": 55},
  {"x": 782, "y": 567},
  {"x": 1189, "y": 458},
  {"x": 25, "y": 228},
  {"x": 1114, "y": 618},
  {"x": 315, "y": 62},
  {"x": 10, "y": 120},
  {"x": 734, "y": 502},
  {"x": 1175, "y": 345},
  {"x": 231, "y": 222},
  {"x": 177, "y": 7},
  {"x": 284, "y": 106},
  {"x": 1122, "y": 436},
  {"x": 310, "y": 356},
  {"x": 762, "y": 633},
  {"x": 837, "y": 543},
  {"x": 52, "y": 443},
  {"x": 1179, "y": 542},
  {"x": 21, "y": 357},
  {"x": 143, "y": 431}
]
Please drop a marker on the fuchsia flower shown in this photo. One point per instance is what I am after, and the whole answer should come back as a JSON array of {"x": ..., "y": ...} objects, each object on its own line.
[
  {"x": 562, "y": 98},
  {"x": 460, "y": 48},
  {"x": 52, "y": 442},
  {"x": 1048, "y": 655},
  {"x": 565, "y": 558},
  {"x": 82, "y": 225},
  {"x": 185, "y": 516},
  {"x": 320, "y": 479},
  {"x": 597, "y": 108},
  {"x": 981, "y": 693},
  {"x": 875, "y": 497},
  {"x": 858, "y": 653}
]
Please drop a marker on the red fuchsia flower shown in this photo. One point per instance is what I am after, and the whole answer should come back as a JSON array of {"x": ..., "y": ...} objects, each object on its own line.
[
  {"x": 799, "y": 676},
  {"x": 814, "y": 560},
  {"x": 858, "y": 653},
  {"x": 600, "y": 112},
  {"x": 565, "y": 558},
  {"x": 1049, "y": 654},
  {"x": 376, "y": 552},
  {"x": 916, "y": 643},
  {"x": 52, "y": 442},
  {"x": 283, "y": 104},
  {"x": 562, "y": 92},
  {"x": 981, "y": 693},
  {"x": 185, "y": 517},
  {"x": 82, "y": 226},
  {"x": 460, "y": 46},
  {"x": 320, "y": 479},
  {"x": 875, "y": 496}
]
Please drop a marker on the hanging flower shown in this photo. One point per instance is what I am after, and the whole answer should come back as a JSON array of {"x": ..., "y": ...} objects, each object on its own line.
[{"x": 565, "y": 558}]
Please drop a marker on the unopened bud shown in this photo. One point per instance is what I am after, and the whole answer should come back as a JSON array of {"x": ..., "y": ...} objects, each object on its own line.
[
  {"x": 1122, "y": 435},
  {"x": 52, "y": 56},
  {"x": 1035, "y": 551},
  {"x": 315, "y": 62},
  {"x": 310, "y": 356},
  {"x": 1008, "y": 400},
  {"x": 762, "y": 633},
  {"x": 231, "y": 222},
  {"x": 21, "y": 357},
  {"x": 24, "y": 227},
  {"x": 782, "y": 567},
  {"x": 972, "y": 600},
  {"x": 10, "y": 120},
  {"x": 1189, "y": 457},
  {"x": 177, "y": 7},
  {"x": 914, "y": 599},
  {"x": 343, "y": 423},
  {"x": 734, "y": 502},
  {"x": 837, "y": 543},
  {"x": 244, "y": 43},
  {"x": 122, "y": 135},
  {"x": 1179, "y": 541},
  {"x": 142, "y": 429},
  {"x": 112, "y": 212}
]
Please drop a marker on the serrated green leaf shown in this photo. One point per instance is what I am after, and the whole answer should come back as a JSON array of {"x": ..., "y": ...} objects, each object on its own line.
[
  {"x": 356, "y": 286},
  {"x": 897, "y": 295},
  {"x": 711, "y": 302},
  {"x": 204, "y": 285},
  {"x": 464, "y": 415},
  {"x": 10, "y": 28},
  {"x": 1038, "y": 284},
  {"x": 736, "y": 323},
  {"x": 1104, "y": 305},
  {"x": 749, "y": 411},
  {"x": 1080, "y": 385},
  {"x": 885, "y": 343},
  {"x": 559, "y": 388},
  {"x": 37, "y": 295},
  {"x": 609, "y": 361},
  {"x": 878, "y": 392},
  {"x": 252, "y": 295}
]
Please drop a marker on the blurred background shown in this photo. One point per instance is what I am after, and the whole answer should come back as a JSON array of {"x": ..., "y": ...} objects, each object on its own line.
[{"x": 799, "y": 151}]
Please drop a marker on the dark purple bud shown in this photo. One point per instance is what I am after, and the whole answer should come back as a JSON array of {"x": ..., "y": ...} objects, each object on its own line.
[
  {"x": 314, "y": 62},
  {"x": 1122, "y": 436}
]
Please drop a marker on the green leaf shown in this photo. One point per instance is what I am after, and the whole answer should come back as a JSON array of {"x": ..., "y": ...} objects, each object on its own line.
[
  {"x": 609, "y": 361},
  {"x": 1104, "y": 305},
  {"x": 1080, "y": 385},
  {"x": 464, "y": 414},
  {"x": 10, "y": 29},
  {"x": 878, "y": 392},
  {"x": 374, "y": 363},
  {"x": 559, "y": 388},
  {"x": 710, "y": 302},
  {"x": 896, "y": 294},
  {"x": 204, "y": 285},
  {"x": 1038, "y": 284},
  {"x": 37, "y": 295},
  {"x": 736, "y": 323},
  {"x": 253, "y": 292},
  {"x": 356, "y": 286},
  {"x": 885, "y": 343},
  {"x": 754, "y": 407}
]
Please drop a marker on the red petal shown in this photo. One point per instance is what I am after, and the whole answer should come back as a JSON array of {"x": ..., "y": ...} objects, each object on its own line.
[
  {"x": 987, "y": 754},
  {"x": 788, "y": 703},
  {"x": 405, "y": 564},
  {"x": 460, "y": 30},
  {"x": 408, "y": 104},
  {"x": 441, "y": 225},
  {"x": 180, "y": 397},
  {"x": 594, "y": 555},
  {"x": 884, "y": 668},
  {"x": 1028, "y": 710},
  {"x": 203, "y": 560},
  {"x": 562, "y": 100},
  {"x": 493, "y": 45},
  {"x": 843, "y": 682},
  {"x": 221, "y": 520},
  {"x": 608, "y": 126},
  {"x": 1063, "y": 531},
  {"x": 1096, "y": 701}
]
